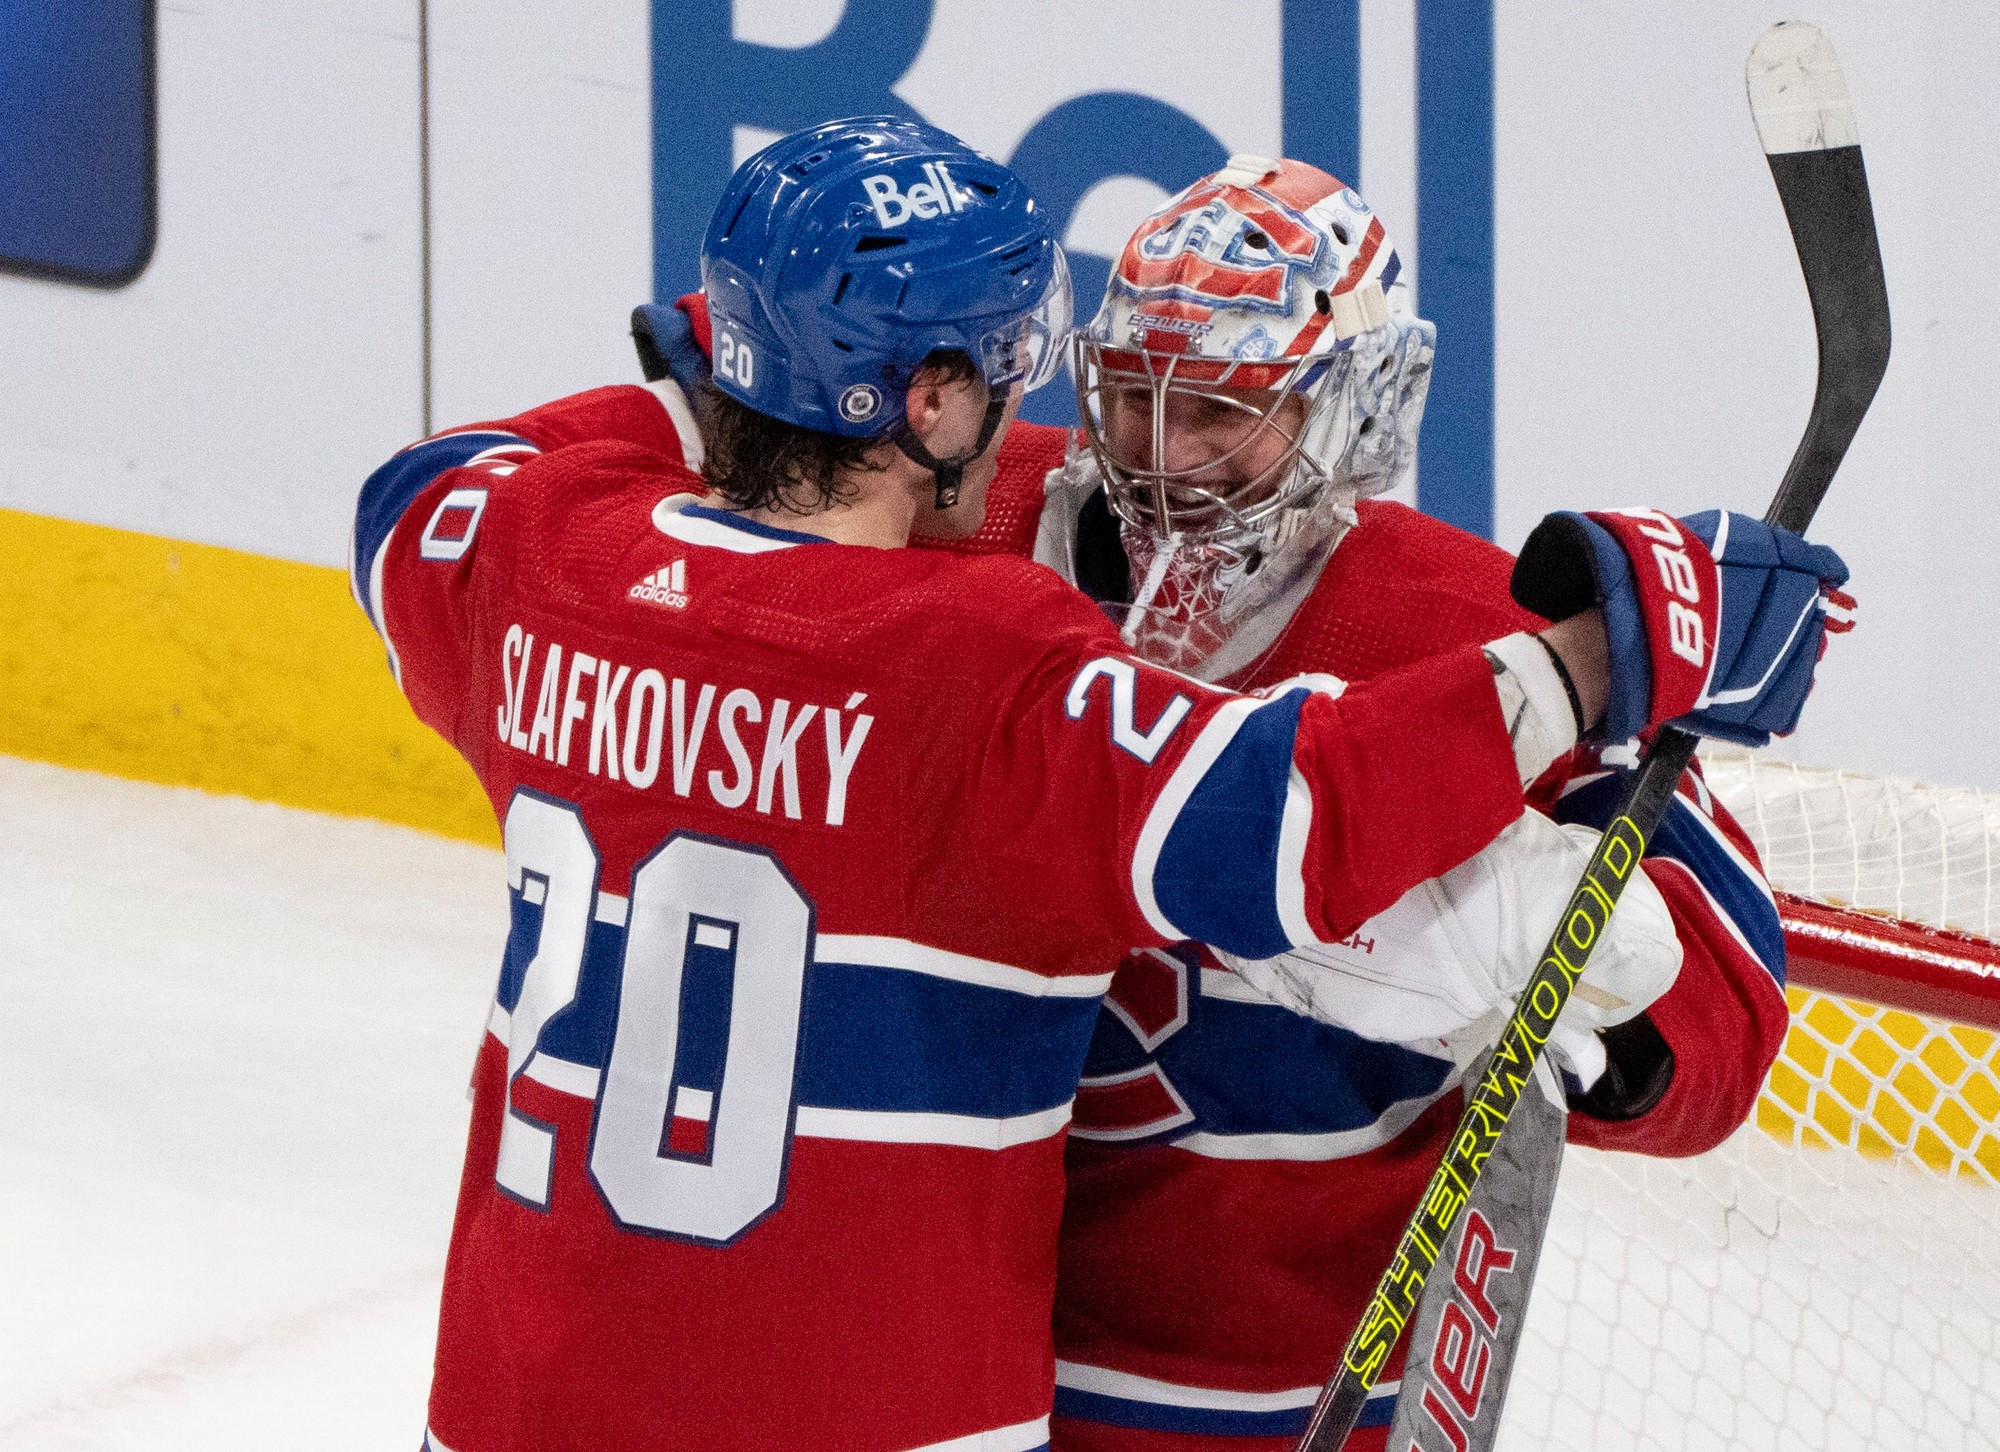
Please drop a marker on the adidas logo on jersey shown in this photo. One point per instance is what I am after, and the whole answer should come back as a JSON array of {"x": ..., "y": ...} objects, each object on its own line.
[
  {"x": 665, "y": 586},
  {"x": 926, "y": 199}
]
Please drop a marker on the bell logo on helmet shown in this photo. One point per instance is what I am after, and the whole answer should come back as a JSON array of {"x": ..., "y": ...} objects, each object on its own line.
[
  {"x": 811, "y": 228},
  {"x": 925, "y": 199},
  {"x": 860, "y": 402}
]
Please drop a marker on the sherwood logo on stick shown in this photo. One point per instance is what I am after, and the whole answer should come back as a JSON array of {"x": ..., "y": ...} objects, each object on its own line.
[{"x": 926, "y": 199}]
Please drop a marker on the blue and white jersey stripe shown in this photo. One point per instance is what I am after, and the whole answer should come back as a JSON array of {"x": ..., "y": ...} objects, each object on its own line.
[
  {"x": 1260, "y": 1082},
  {"x": 1120, "y": 1399},
  {"x": 903, "y": 1042},
  {"x": 1221, "y": 856}
]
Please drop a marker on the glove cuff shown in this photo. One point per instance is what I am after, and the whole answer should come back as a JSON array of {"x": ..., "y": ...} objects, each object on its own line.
[
  {"x": 1676, "y": 603},
  {"x": 1556, "y": 573}
]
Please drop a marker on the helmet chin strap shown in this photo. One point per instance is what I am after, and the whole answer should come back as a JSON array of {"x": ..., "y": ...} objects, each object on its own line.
[{"x": 949, "y": 474}]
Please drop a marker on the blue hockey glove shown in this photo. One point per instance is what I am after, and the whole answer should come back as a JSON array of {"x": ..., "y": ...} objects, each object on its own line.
[{"x": 1715, "y": 621}]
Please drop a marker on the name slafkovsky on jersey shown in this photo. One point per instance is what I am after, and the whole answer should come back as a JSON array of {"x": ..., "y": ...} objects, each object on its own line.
[{"x": 614, "y": 722}]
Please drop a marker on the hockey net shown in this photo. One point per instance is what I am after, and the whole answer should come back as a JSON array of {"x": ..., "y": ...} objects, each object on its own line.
[{"x": 1829, "y": 1278}]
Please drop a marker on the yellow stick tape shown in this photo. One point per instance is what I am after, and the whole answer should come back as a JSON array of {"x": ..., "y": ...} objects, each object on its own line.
[{"x": 198, "y": 666}]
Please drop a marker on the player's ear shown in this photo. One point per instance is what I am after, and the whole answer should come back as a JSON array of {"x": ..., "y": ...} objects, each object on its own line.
[{"x": 926, "y": 402}]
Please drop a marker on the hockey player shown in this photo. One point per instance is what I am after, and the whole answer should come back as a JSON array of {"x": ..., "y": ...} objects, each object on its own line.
[
  {"x": 819, "y": 848},
  {"x": 1239, "y": 1174}
]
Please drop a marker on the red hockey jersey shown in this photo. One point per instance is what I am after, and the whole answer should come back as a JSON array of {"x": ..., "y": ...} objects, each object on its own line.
[
  {"x": 819, "y": 860},
  {"x": 1239, "y": 1175}
]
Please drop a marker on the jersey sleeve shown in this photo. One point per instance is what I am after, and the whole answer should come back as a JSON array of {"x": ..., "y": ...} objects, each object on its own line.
[
  {"x": 1725, "y": 1018},
  {"x": 425, "y": 520},
  {"x": 1254, "y": 823}
]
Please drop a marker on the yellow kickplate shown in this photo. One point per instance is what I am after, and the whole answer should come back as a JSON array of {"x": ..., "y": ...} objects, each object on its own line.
[
  {"x": 1887, "y": 1085},
  {"x": 198, "y": 666}
]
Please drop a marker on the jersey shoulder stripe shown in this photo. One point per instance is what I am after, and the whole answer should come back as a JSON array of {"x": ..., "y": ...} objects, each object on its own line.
[
  {"x": 1224, "y": 825},
  {"x": 390, "y": 490}
]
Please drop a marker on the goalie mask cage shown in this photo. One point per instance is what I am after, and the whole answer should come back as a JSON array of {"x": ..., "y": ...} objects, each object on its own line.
[{"x": 1829, "y": 1278}]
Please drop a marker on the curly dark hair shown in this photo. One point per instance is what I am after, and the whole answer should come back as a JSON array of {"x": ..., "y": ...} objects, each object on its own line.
[{"x": 755, "y": 461}]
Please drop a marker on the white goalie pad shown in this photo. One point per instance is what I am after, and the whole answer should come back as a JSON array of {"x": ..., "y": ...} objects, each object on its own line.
[{"x": 1454, "y": 952}]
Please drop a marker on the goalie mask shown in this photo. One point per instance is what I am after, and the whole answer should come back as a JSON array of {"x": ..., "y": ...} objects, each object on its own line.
[{"x": 1255, "y": 368}]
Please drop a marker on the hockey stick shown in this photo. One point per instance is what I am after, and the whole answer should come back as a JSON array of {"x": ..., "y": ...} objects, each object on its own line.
[
  {"x": 1798, "y": 99},
  {"x": 1460, "y": 1358}
]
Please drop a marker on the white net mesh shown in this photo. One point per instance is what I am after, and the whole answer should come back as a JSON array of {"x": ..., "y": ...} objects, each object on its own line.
[
  {"x": 1927, "y": 853},
  {"x": 1830, "y": 1277}
]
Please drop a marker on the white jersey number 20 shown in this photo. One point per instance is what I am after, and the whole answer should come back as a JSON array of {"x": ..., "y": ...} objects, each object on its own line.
[{"x": 691, "y": 892}]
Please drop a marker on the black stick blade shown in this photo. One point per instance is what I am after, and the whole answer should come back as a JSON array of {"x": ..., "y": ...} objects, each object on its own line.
[{"x": 1798, "y": 98}]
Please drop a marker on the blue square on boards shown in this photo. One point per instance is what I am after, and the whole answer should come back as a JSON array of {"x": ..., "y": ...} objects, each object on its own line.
[{"x": 77, "y": 147}]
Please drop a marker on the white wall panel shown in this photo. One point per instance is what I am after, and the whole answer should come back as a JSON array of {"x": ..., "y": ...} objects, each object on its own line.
[
  {"x": 1654, "y": 339},
  {"x": 541, "y": 195},
  {"x": 1030, "y": 54},
  {"x": 1655, "y": 343},
  {"x": 239, "y": 391}
]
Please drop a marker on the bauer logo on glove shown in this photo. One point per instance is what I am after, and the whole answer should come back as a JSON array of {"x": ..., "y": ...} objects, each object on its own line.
[{"x": 1715, "y": 621}]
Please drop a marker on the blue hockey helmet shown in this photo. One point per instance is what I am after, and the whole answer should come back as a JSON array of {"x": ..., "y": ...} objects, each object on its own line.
[{"x": 840, "y": 257}]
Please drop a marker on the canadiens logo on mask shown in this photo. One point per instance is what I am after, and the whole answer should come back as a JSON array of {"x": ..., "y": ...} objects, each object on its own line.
[{"x": 1205, "y": 251}]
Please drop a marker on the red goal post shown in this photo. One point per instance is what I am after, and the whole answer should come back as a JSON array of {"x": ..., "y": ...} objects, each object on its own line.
[
  {"x": 1890, "y": 889},
  {"x": 1893, "y": 961}
]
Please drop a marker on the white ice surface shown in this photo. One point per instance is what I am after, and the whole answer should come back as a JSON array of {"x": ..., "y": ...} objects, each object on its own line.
[{"x": 232, "y": 1112}]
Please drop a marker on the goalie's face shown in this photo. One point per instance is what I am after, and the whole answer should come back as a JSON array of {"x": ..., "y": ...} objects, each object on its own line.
[
  {"x": 1203, "y": 450},
  {"x": 1209, "y": 453}
]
